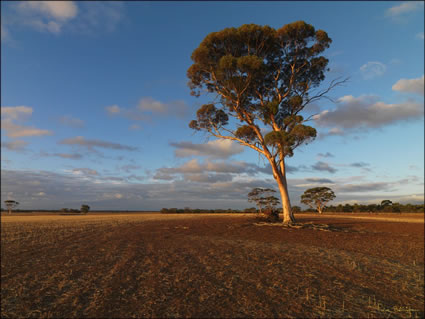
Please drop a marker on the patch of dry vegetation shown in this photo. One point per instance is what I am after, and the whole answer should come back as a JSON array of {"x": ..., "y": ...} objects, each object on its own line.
[{"x": 208, "y": 266}]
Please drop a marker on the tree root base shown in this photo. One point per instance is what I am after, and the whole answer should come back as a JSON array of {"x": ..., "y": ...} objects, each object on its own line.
[{"x": 320, "y": 227}]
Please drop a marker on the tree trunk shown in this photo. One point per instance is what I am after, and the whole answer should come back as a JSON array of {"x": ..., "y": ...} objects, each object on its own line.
[
  {"x": 10, "y": 211},
  {"x": 280, "y": 177},
  {"x": 288, "y": 216}
]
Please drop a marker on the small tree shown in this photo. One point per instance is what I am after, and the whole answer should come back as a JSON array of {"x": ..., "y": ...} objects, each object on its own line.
[
  {"x": 257, "y": 196},
  {"x": 266, "y": 202},
  {"x": 10, "y": 204},
  {"x": 317, "y": 197},
  {"x": 85, "y": 209}
]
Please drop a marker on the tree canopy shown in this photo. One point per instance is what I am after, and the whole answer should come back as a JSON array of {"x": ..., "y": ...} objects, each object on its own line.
[
  {"x": 317, "y": 197},
  {"x": 264, "y": 199},
  {"x": 261, "y": 79},
  {"x": 10, "y": 204}
]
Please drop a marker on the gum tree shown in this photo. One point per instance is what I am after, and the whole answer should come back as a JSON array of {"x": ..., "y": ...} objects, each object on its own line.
[
  {"x": 261, "y": 79},
  {"x": 317, "y": 197},
  {"x": 263, "y": 198},
  {"x": 10, "y": 204}
]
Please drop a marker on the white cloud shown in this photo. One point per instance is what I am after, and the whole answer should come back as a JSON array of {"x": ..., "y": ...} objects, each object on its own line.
[
  {"x": 84, "y": 171},
  {"x": 147, "y": 107},
  {"x": 372, "y": 69},
  {"x": 404, "y": 8},
  {"x": 58, "y": 16},
  {"x": 367, "y": 112},
  {"x": 149, "y": 104},
  {"x": 4, "y": 33},
  {"x": 113, "y": 109},
  {"x": 16, "y": 112},
  {"x": 48, "y": 16},
  {"x": 177, "y": 108},
  {"x": 410, "y": 85},
  {"x": 61, "y": 10},
  {"x": 215, "y": 149},
  {"x": 9, "y": 114},
  {"x": 70, "y": 190},
  {"x": 420, "y": 35},
  {"x": 15, "y": 130}
]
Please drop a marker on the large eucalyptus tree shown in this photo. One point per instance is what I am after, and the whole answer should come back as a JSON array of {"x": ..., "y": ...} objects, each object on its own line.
[{"x": 262, "y": 78}]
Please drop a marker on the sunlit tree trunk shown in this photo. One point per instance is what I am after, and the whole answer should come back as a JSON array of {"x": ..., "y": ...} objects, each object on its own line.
[{"x": 280, "y": 177}]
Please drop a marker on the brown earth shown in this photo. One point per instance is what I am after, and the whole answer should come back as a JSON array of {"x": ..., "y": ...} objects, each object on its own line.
[{"x": 152, "y": 265}]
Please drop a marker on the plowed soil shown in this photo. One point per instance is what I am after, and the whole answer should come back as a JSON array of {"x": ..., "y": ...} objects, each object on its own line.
[{"x": 122, "y": 266}]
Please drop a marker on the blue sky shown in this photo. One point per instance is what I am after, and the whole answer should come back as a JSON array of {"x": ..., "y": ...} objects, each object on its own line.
[{"x": 95, "y": 105}]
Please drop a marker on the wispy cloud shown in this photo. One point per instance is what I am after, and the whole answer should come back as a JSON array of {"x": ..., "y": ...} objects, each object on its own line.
[
  {"x": 20, "y": 113},
  {"x": 16, "y": 145},
  {"x": 84, "y": 171},
  {"x": 366, "y": 112},
  {"x": 372, "y": 70},
  {"x": 56, "y": 17},
  {"x": 73, "y": 156},
  {"x": 319, "y": 180},
  {"x": 90, "y": 144},
  {"x": 47, "y": 16},
  {"x": 71, "y": 121},
  {"x": 113, "y": 109},
  {"x": 61, "y": 10},
  {"x": 213, "y": 149},
  {"x": 327, "y": 154},
  {"x": 12, "y": 114},
  {"x": 147, "y": 107},
  {"x": 322, "y": 166},
  {"x": 203, "y": 191},
  {"x": 175, "y": 108},
  {"x": 420, "y": 35},
  {"x": 404, "y": 8}
]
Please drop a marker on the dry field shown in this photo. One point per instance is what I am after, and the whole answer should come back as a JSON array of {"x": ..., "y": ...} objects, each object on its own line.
[{"x": 152, "y": 265}]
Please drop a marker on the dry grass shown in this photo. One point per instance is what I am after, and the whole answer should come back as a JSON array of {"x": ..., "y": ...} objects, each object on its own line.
[{"x": 153, "y": 265}]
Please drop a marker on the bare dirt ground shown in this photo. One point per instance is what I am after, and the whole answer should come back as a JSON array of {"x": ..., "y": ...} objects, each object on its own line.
[{"x": 153, "y": 265}]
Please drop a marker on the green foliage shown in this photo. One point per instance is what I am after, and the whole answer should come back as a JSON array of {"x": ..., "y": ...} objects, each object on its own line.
[
  {"x": 296, "y": 209},
  {"x": 85, "y": 209},
  {"x": 10, "y": 204},
  {"x": 246, "y": 133},
  {"x": 265, "y": 202},
  {"x": 386, "y": 203},
  {"x": 188, "y": 210},
  {"x": 317, "y": 197},
  {"x": 209, "y": 117},
  {"x": 260, "y": 72}
]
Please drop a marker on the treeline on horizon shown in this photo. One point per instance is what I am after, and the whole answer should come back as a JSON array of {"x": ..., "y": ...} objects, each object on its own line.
[{"x": 347, "y": 208}]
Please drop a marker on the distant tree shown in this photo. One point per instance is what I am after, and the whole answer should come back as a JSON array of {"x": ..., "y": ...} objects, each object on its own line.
[
  {"x": 263, "y": 198},
  {"x": 262, "y": 78},
  {"x": 296, "y": 209},
  {"x": 85, "y": 209},
  {"x": 317, "y": 197},
  {"x": 386, "y": 202},
  {"x": 251, "y": 210},
  {"x": 347, "y": 208},
  {"x": 10, "y": 204},
  {"x": 372, "y": 208}
]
